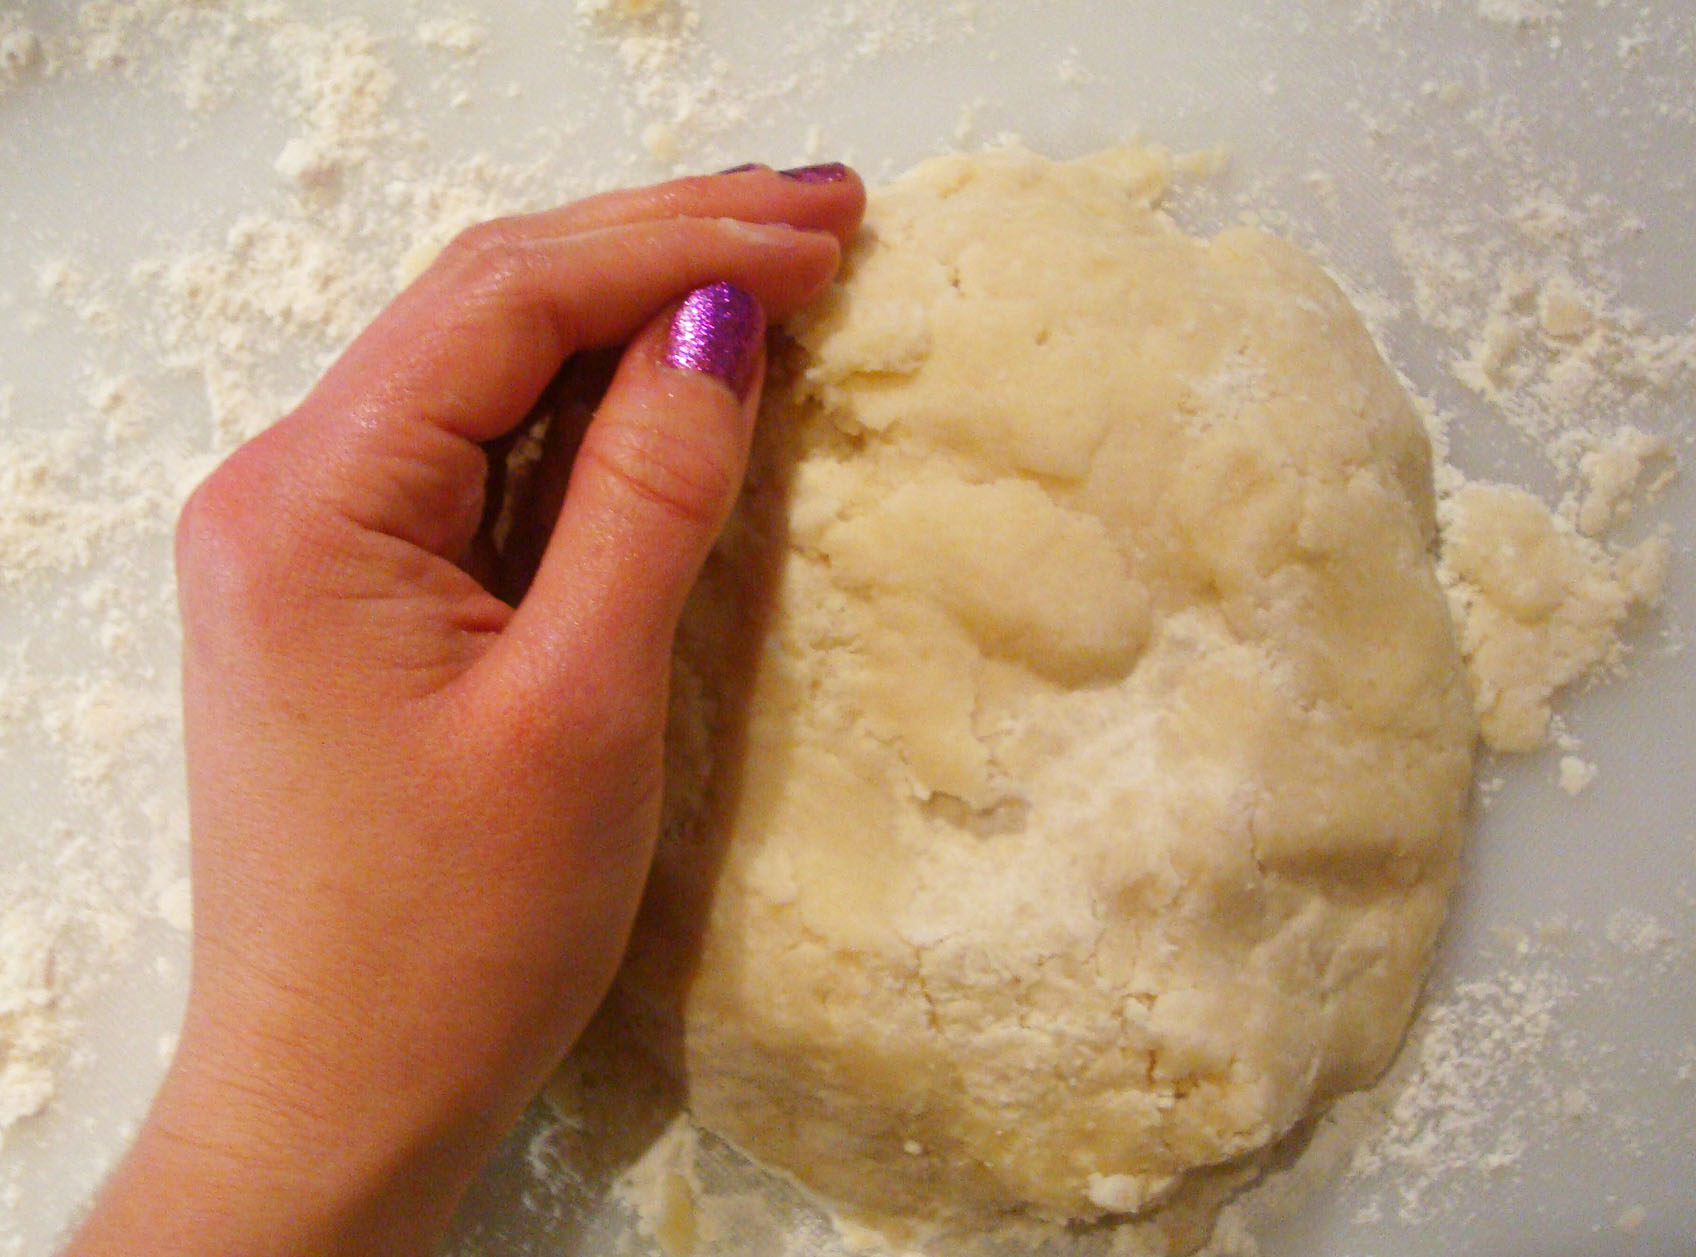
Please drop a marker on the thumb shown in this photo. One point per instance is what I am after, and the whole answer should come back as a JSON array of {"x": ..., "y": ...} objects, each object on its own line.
[{"x": 655, "y": 477}]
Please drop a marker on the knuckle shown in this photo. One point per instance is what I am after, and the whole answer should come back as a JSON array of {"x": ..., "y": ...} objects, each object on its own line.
[
  {"x": 489, "y": 255},
  {"x": 608, "y": 732},
  {"x": 682, "y": 475},
  {"x": 231, "y": 545},
  {"x": 215, "y": 517},
  {"x": 582, "y": 717},
  {"x": 491, "y": 233},
  {"x": 692, "y": 194}
]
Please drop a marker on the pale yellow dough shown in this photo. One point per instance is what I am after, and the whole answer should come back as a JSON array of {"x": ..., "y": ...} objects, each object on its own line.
[{"x": 1070, "y": 745}]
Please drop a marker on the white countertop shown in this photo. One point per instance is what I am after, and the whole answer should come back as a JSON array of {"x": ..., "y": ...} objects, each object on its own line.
[{"x": 1558, "y": 1083}]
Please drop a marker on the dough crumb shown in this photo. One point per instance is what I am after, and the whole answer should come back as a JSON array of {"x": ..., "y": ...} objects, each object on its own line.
[
  {"x": 1625, "y": 467},
  {"x": 308, "y": 163},
  {"x": 1520, "y": 13},
  {"x": 1576, "y": 1103},
  {"x": 20, "y": 52},
  {"x": 1576, "y": 775},
  {"x": 620, "y": 10},
  {"x": 1539, "y": 605},
  {"x": 661, "y": 142},
  {"x": 33, "y": 1034},
  {"x": 660, "y": 1190},
  {"x": 460, "y": 35}
]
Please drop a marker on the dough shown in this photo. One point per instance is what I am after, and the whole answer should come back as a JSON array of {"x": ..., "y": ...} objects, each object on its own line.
[{"x": 1069, "y": 746}]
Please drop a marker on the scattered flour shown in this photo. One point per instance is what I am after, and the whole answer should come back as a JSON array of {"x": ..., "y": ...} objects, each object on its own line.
[
  {"x": 338, "y": 89},
  {"x": 1446, "y": 1119},
  {"x": 1636, "y": 933},
  {"x": 32, "y": 1034},
  {"x": 1550, "y": 350}
]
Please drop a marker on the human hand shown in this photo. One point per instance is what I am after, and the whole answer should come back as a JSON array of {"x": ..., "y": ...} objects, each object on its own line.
[{"x": 422, "y": 816}]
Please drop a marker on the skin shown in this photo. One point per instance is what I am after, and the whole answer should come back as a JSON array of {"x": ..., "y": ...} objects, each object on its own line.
[{"x": 422, "y": 816}]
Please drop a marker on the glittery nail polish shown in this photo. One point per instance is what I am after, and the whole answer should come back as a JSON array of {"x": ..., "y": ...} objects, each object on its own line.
[
  {"x": 717, "y": 331},
  {"x": 736, "y": 170},
  {"x": 830, "y": 172}
]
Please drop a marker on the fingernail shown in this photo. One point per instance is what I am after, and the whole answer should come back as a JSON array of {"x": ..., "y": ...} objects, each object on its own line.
[
  {"x": 830, "y": 172},
  {"x": 717, "y": 331},
  {"x": 736, "y": 170}
]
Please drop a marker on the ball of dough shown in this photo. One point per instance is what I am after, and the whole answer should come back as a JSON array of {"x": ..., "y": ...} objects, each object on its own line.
[{"x": 1069, "y": 746}]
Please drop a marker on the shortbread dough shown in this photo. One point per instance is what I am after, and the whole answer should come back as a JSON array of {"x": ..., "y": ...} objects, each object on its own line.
[{"x": 1069, "y": 745}]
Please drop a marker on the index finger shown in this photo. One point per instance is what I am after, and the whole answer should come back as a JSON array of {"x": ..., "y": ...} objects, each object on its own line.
[
  {"x": 471, "y": 345},
  {"x": 472, "y": 342},
  {"x": 818, "y": 198}
]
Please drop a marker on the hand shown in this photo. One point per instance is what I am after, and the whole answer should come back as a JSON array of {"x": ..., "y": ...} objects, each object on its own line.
[{"x": 422, "y": 816}]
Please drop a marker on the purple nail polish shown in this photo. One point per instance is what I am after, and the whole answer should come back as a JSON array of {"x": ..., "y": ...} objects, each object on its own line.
[
  {"x": 717, "y": 331},
  {"x": 736, "y": 170},
  {"x": 830, "y": 172}
]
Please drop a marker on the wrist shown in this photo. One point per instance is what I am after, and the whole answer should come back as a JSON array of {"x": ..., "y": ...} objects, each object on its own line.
[{"x": 233, "y": 1162}]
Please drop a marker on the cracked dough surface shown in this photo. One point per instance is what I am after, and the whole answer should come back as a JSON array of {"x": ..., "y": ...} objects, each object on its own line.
[{"x": 1069, "y": 744}]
